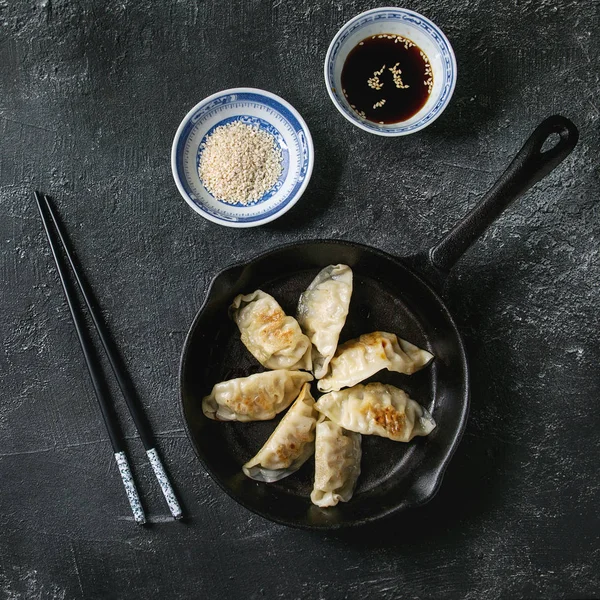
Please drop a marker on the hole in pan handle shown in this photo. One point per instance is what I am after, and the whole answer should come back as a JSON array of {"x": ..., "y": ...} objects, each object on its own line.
[{"x": 528, "y": 167}]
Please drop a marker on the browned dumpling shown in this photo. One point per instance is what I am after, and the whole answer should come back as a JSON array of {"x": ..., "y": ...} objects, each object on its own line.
[
  {"x": 290, "y": 445},
  {"x": 337, "y": 463},
  {"x": 322, "y": 312},
  {"x": 273, "y": 338},
  {"x": 255, "y": 398},
  {"x": 356, "y": 360},
  {"x": 377, "y": 409}
]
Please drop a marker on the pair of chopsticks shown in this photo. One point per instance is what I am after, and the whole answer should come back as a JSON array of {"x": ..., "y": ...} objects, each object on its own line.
[{"x": 112, "y": 426}]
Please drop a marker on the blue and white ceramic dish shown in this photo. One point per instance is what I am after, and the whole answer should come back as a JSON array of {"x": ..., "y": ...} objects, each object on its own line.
[
  {"x": 254, "y": 107},
  {"x": 416, "y": 28}
]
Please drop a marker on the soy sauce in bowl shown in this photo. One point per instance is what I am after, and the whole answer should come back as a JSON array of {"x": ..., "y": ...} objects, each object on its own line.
[{"x": 387, "y": 78}]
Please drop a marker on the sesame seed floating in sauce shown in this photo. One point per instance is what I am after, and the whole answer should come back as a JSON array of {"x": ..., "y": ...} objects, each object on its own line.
[
  {"x": 373, "y": 82},
  {"x": 397, "y": 75}
]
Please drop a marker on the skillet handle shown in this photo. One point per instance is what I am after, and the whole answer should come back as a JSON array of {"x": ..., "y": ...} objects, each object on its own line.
[{"x": 528, "y": 167}]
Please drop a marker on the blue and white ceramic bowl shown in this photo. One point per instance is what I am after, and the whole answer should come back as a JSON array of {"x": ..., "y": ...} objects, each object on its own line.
[
  {"x": 416, "y": 28},
  {"x": 254, "y": 107}
]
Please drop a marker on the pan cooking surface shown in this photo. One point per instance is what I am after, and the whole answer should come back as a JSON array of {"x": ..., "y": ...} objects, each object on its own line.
[{"x": 393, "y": 474}]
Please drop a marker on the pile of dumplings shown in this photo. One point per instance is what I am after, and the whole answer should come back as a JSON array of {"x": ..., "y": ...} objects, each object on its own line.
[{"x": 331, "y": 427}]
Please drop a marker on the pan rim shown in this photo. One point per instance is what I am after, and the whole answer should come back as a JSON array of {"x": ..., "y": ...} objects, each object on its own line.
[{"x": 436, "y": 474}]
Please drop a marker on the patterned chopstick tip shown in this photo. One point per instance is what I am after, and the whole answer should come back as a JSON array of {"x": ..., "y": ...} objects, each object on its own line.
[
  {"x": 165, "y": 484},
  {"x": 130, "y": 489}
]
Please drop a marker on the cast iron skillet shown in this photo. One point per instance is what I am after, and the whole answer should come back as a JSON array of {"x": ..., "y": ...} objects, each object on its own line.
[{"x": 389, "y": 295}]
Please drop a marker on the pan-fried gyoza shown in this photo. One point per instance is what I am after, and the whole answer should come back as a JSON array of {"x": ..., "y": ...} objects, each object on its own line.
[
  {"x": 272, "y": 337},
  {"x": 377, "y": 409},
  {"x": 358, "y": 359},
  {"x": 322, "y": 312},
  {"x": 290, "y": 445},
  {"x": 258, "y": 397},
  {"x": 337, "y": 463}
]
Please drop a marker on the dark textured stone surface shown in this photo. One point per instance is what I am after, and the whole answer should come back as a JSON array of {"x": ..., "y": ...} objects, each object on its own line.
[{"x": 90, "y": 96}]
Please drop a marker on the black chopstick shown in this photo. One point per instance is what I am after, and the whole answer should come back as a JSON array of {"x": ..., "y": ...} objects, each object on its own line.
[
  {"x": 114, "y": 433},
  {"x": 97, "y": 380},
  {"x": 131, "y": 400}
]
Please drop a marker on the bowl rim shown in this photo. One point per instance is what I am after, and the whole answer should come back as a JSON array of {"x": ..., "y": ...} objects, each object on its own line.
[
  {"x": 297, "y": 195},
  {"x": 356, "y": 121}
]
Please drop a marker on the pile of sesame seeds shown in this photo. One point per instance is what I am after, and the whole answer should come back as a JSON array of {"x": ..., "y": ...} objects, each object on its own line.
[{"x": 239, "y": 163}]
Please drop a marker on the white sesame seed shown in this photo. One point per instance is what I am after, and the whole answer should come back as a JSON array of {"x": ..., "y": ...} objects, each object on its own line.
[{"x": 239, "y": 163}]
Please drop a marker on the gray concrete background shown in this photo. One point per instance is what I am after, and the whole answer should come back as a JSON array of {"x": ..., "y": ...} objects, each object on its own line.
[{"x": 90, "y": 96}]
